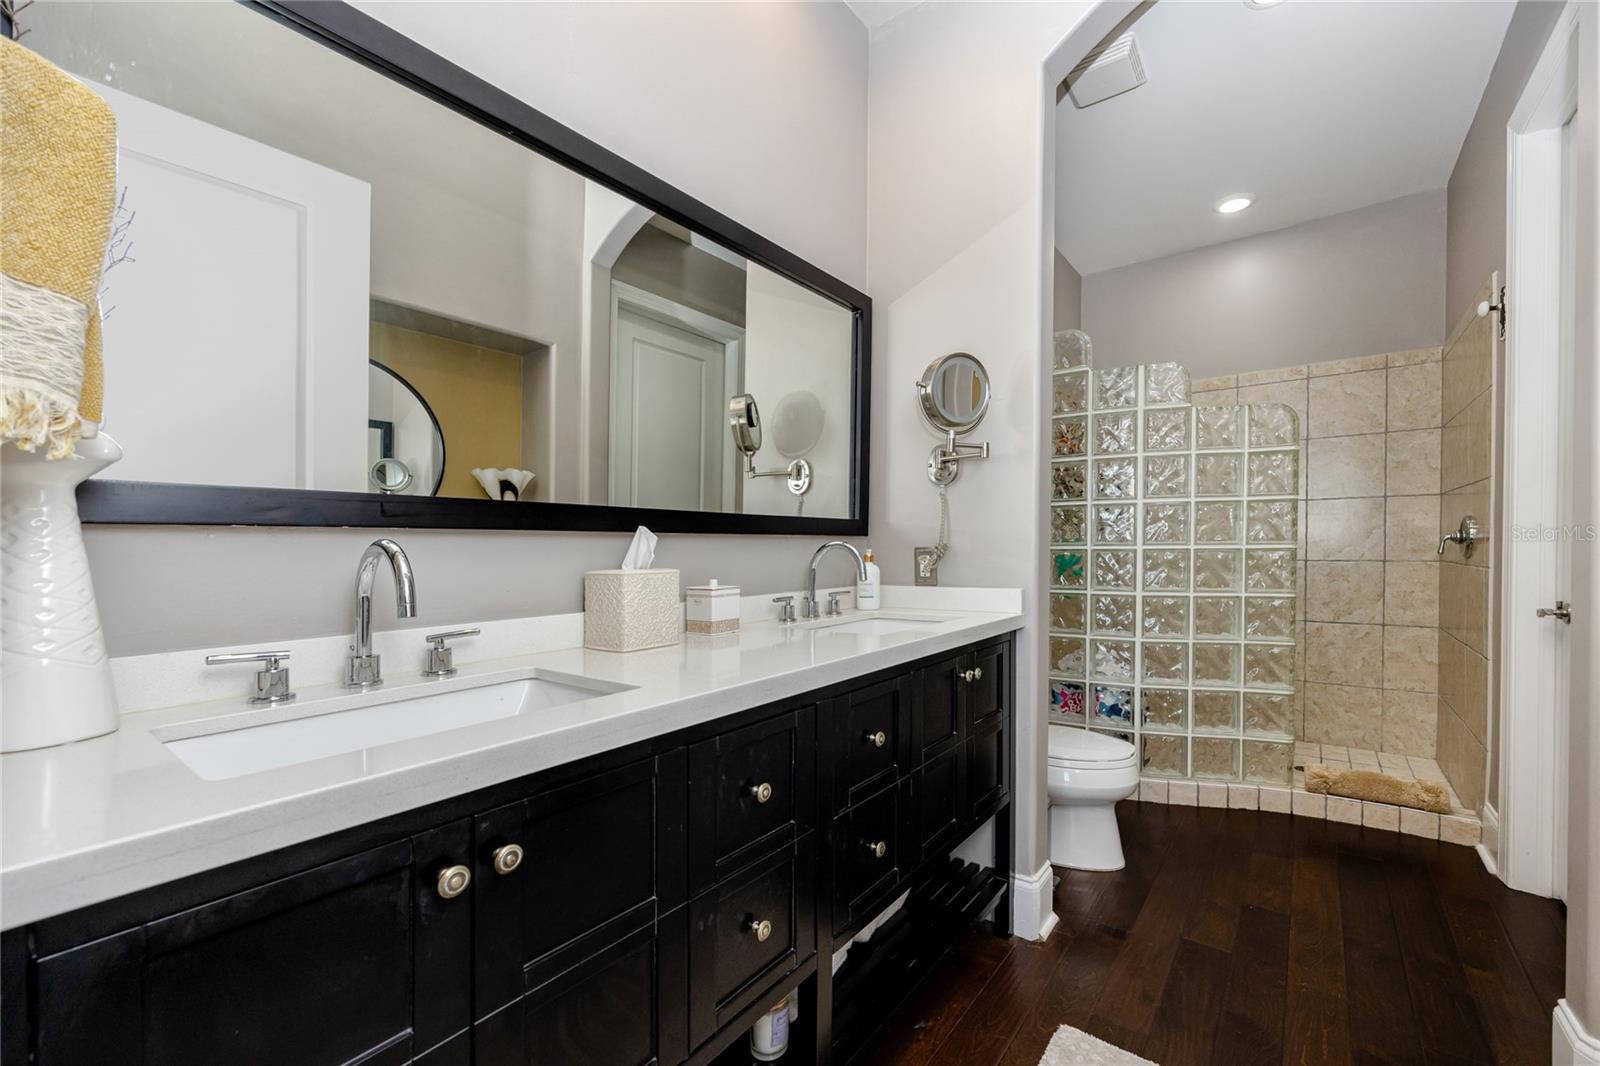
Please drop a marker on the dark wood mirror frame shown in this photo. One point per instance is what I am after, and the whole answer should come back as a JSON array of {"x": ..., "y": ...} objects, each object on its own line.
[{"x": 368, "y": 41}]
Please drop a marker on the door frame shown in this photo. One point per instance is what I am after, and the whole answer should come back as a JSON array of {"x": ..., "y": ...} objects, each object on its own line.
[
  {"x": 1532, "y": 726},
  {"x": 672, "y": 313}
]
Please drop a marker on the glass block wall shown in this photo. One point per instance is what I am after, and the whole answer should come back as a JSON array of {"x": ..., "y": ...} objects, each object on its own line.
[{"x": 1172, "y": 569}]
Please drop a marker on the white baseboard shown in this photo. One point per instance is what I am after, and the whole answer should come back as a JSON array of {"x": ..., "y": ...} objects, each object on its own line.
[
  {"x": 1032, "y": 915},
  {"x": 1572, "y": 1044},
  {"x": 1489, "y": 840}
]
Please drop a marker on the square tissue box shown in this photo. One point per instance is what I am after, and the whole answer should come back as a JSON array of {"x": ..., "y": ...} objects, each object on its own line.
[
  {"x": 628, "y": 610},
  {"x": 711, "y": 608}
]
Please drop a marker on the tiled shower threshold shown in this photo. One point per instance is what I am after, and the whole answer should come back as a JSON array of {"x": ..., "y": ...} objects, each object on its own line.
[{"x": 1460, "y": 826}]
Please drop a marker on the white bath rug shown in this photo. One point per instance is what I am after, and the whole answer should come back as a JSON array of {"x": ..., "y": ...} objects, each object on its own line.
[{"x": 1074, "y": 1047}]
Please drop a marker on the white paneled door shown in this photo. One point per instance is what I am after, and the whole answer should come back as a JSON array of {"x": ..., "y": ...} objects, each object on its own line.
[
  {"x": 668, "y": 431},
  {"x": 248, "y": 288}
]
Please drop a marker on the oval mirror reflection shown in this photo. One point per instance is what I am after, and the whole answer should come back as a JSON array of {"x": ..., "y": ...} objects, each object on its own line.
[{"x": 401, "y": 427}]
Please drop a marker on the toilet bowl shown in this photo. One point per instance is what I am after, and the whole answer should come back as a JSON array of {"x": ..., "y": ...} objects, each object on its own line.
[{"x": 1088, "y": 774}]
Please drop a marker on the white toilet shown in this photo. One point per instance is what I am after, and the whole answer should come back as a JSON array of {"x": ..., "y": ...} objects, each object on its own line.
[{"x": 1089, "y": 773}]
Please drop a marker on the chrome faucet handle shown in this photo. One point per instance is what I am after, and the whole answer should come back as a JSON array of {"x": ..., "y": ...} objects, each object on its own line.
[
  {"x": 785, "y": 608},
  {"x": 272, "y": 680},
  {"x": 833, "y": 603},
  {"x": 1465, "y": 535},
  {"x": 441, "y": 659}
]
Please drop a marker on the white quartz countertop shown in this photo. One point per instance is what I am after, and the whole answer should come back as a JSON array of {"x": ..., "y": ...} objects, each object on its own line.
[{"x": 87, "y": 822}]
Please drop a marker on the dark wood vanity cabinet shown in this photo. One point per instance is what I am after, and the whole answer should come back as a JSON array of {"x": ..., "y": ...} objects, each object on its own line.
[
  {"x": 639, "y": 907},
  {"x": 354, "y": 960}
]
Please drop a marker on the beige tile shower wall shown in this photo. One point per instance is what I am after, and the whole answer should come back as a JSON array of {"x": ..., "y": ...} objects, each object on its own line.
[
  {"x": 1466, "y": 702},
  {"x": 1369, "y": 595}
]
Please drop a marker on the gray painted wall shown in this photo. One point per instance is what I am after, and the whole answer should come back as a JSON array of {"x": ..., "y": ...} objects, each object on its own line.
[
  {"x": 1370, "y": 280},
  {"x": 796, "y": 172},
  {"x": 1476, "y": 224},
  {"x": 1068, "y": 288}
]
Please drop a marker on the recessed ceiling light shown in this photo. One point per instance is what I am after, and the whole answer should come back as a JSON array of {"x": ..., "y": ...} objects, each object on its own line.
[
  {"x": 1262, "y": 5},
  {"x": 1233, "y": 205}
]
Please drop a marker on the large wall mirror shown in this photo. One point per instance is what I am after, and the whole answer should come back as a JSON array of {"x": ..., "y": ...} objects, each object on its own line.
[{"x": 361, "y": 281}]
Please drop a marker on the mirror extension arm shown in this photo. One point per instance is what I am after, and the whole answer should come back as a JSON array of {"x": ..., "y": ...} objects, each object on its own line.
[{"x": 944, "y": 462}]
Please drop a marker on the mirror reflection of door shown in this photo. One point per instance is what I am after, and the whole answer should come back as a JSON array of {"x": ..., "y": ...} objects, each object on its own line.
[{"x": 670, "y": 383}]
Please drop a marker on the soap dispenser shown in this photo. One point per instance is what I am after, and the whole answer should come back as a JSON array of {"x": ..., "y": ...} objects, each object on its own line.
[{"x": 867, "y": 591}]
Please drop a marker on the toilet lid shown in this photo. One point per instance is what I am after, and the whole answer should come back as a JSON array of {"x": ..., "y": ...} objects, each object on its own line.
[{"x": 1071, "y": 744}]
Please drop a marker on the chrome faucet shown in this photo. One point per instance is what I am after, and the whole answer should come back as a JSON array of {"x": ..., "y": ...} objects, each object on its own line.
[
  {"x": 362, "y": 669},
  {"x": 808, "y": 606}
]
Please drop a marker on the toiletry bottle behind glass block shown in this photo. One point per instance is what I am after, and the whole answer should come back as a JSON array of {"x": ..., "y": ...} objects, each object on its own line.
[{"x": 867, "y": 591}]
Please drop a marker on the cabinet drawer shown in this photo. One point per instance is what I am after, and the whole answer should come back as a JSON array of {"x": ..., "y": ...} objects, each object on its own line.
[
  {"x": 989, "y": 690},
  {"x": 865, "y": 842},
  {"x": 749, "y": 791},
  {"x": 871, "y": 742},
  {"x": 746, "y": 933}
]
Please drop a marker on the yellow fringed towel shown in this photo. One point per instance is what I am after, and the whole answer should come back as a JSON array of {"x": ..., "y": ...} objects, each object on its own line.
[
  {"x": 58, "y": 183},
  {"x": 1377, "y": 787}
]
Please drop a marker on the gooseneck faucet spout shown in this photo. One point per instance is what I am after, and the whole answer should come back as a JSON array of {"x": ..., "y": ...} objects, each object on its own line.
[
  {"x": 362, "y": 670},
  {"x": 808, "y": 608}
]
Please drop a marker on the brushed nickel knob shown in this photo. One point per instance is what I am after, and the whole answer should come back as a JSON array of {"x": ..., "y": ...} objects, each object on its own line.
[
  {"x": 969, "y": 676},
  {"x": 878, "y": 849},
  {"x": 977, "y": 673},
  {"x": 762, "y": 792},
  {"x": 761, "y": 928},
  {"x": 878, "y": 739},
  {"x": 453, "y": 880},
  {"x": 507, "y": 857}
]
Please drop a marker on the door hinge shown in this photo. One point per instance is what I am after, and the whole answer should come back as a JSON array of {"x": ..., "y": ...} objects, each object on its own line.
[{"x": 1499, "y": 309}]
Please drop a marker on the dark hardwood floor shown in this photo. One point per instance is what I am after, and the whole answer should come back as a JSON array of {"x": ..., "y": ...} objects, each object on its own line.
[{"x": 1236, "y": 938}]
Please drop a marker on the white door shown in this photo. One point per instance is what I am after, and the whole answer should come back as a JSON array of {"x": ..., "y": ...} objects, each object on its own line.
[
  {"x": 667, "y": 398},
  {"x": 236, "y": 337},
  {"x": 1545, "y": 614}
]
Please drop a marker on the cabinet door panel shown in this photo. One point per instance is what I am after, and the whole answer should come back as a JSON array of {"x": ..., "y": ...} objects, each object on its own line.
[
  {"x": 937, "y": 790},
  {"x": 987, "y": 784},
  {"x": 937, "y": 715},
  {"x": 590, "y": 858},
  {"x": 311, "y": 968},
  {"x": 593, "y": 845},
  {"x": 443, "y": 939},
  {"x": 598, "y": 1014}
]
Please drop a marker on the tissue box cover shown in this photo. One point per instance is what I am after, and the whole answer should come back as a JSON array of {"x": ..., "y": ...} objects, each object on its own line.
[{"x": 628, "y": 610}]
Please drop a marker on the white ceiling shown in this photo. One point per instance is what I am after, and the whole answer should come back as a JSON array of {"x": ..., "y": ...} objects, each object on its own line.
[
  {"x": 1311, "y": 108},
  {"x": 874, "y": 13}
]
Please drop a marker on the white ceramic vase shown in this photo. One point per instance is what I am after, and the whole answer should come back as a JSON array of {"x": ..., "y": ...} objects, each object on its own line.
[{"x": 55, "y": 676}]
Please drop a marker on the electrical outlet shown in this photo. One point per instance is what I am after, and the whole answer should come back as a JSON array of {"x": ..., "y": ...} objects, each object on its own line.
[{"x": 927, "y": 562}]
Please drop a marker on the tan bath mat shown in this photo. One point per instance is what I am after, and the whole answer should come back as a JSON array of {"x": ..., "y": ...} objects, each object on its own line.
[{"x": 1377, "y": 787}]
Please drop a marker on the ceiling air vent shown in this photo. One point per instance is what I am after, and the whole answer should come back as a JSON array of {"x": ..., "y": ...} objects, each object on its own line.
[{"x": 1107, "y": 72}]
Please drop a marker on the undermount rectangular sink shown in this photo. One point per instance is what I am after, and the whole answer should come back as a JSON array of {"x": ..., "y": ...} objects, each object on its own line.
[
  {"x": 248, "y": 749},
  {"x": 882, "y": 625}
]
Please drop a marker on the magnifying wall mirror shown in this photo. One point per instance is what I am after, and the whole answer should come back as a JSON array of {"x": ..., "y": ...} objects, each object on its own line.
[
  {"x": 953, "y": 394},
  {"x": 744, "y": 421}
]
